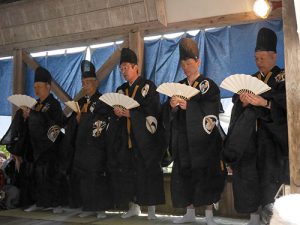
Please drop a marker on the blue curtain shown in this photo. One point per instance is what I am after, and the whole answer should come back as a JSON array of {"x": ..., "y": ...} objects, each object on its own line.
[
  {"x": 223, "y": 51},
  {"x": 161, "y": 61},
  {"x": 6, "y": 83},
  {"x": 114, "y": 79},
  {"x": 65, "y": 69}
]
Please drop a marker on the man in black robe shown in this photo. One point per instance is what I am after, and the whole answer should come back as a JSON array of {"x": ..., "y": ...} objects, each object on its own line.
[
  {"x": 134, "y": 148},
  {"x": 89, "y": 187},
  {"x": 256, "y": 146},
  {"x": 33, "y": 139},
  {"x": 198, "y": 174}
]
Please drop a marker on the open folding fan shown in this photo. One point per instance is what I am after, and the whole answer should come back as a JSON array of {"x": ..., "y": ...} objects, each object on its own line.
[
  {"x": 177, "y": 90},
  {"x": 242, "y": 83},
  {"x": 73, "y": 105},
  {"x": 119, "y": 100},
  {"x": 22, "y": 101}
]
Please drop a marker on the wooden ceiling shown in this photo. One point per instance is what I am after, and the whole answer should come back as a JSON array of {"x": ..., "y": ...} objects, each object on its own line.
[{"x": 37, "y": 25}]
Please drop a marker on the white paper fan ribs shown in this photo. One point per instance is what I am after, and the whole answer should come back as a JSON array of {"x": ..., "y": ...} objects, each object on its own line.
[
  {"x": 242, "y": 83},
  {"x": 73, "y": 105},
  {"x": 177, "y": 90},
  {"x": 22, "y": 101},
  {"x": 119, "y": 100}
]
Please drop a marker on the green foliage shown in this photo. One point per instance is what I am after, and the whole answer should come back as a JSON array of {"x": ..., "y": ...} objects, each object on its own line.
[{"x": 3, "y": 149}]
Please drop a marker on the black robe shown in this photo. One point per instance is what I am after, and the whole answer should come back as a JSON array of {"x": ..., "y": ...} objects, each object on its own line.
[
  {"x": 44, "y": 124},
  {"x": 90, "y": 185},
  {"x": 17, "y": 142},
  {"x": 36, "y": 140},
  {"x": 195, "y": 143},
  {"x": 136, "y": 172},
  {"x": 256, "y": 147}
]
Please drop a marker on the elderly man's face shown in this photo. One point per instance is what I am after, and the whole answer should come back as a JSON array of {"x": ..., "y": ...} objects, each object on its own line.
[
  {"x": 89, "y": 86},
  {"x": 265, "y": 60},
  {"x": 41, "y": 89}
]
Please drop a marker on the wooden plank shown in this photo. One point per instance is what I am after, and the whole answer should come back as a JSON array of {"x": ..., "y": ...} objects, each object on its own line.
[
  {"x": 151, "y": 9},
  {"x": 18, "y": 75},
  {"x": 292, "y": 70},
  {"x": 136, "y": 43},
  {"x": 139, "y": 13},
  {"x": 117, "y": 33},
  {"x": 57, "y": 90},
  {"x": 161, "y": 12},
  {"x": 98, "y": 19},
  {"x": 21, "y": 14},
  {"x": 103, "y": 72}
]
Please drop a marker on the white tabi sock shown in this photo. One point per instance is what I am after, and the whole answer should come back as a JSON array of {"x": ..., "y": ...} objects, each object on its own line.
[
  {"x": 33, "y": 208},
  {"x": 189, "y": 217},
  {"x": 134, "y": 210},
  {"x": 151, "y": 212},
  {"x": 254, "y": 219},
  {"x": 101, "y": 215},
  {"x": 86, "y": 214},
  {"x": 58, "y": 210},
  {"x": 209, "y": 217}
]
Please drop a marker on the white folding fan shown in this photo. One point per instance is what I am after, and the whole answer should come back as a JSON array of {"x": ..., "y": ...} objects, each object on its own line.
[
  {"x": 73, "y": 105},
  {"x": 119, "y": 100},
  {"x": 242, "y": 83},
  {"x": 177, "y": 90},
  {"x": 22, "y": 101}
]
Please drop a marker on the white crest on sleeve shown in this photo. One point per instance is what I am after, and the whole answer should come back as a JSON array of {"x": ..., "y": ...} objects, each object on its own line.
[
  {"x": 280, "y": 77},
  {"x": 151, "y": 124},
  {"x": 209, "y": 122},
  {"x": 204, "y": 86},
  {"x": 145, "y": 90},
  {"x": 98, "y": 126},
  {"x": 53, "y": 132}
]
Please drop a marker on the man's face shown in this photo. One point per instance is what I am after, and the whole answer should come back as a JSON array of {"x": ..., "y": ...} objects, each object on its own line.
[
  {"x": 41, "y": 89},
  {"x": 89, "y": 86},
  {"x": 129, "y": 71},
  {"x": 265, "y": 60},
  {"x": 190, "y": 66}
]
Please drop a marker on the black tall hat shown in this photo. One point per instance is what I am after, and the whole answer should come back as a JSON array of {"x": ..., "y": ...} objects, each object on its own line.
[
  {"x": 42, "y": 75},
  {"x": 87, "y": 69},
  {"x": 128, "y": 56},
  {"x": 188, "y": 49},
  {"x": 266, "y": 40}
]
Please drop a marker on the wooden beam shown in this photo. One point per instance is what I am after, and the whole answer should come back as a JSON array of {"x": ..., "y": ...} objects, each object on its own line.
[
  {"x": 118, "y": 33},
  {"x": 57, "y": 90},
  {"x": 292, "y": 70},
  {"x": 110, "y": 63},
  {"x": 161, "y": 12},
  {"x": 18, "y": 75},
  {"x": 136, "y": 43},
  {"x": 103, "y": 72}
]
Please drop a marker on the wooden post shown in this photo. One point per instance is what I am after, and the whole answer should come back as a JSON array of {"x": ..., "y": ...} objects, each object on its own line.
[
  {"x": 136, "y": 43},
  {"x": 292, "y": 70},
  {"x": 18, "y": 76}
]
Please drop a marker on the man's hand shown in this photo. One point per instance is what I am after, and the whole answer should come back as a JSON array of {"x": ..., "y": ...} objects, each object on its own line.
[
  {"x": 26, "y": 112},
  {"x": 119, "y": 112},
  {"x": 244, "y": 99},
  {"x": 182, "y": 104},
  {"x": 257, "y": 100},
  {"x": 174, "y": 102}
]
